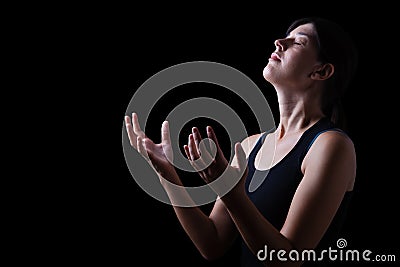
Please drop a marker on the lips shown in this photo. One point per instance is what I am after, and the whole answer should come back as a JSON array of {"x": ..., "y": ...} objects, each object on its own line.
[{"x": 275, "y": 56}]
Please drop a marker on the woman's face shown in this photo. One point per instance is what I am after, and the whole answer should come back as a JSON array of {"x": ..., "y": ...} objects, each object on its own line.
[{"x": 294, "y": 59}]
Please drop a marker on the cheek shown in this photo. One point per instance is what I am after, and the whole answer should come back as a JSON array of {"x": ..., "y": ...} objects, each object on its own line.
[{"x": 300, "y": 65}]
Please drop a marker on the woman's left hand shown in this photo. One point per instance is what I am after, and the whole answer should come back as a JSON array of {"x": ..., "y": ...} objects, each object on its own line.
[{"x": 211, "y": 168}]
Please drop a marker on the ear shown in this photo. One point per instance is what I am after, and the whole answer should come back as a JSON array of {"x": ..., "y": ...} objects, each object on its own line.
[{"x": 323, "y": 72}]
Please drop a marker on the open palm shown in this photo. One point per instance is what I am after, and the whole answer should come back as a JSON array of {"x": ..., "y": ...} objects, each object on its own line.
[{"x": 159, "y": 156}]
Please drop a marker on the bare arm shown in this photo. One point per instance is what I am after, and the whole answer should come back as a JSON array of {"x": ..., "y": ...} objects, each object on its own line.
[
  {"x": 213, "y": 234},
  {"x": 328, "y": 168},
  {"x": 329, "y": 171}
]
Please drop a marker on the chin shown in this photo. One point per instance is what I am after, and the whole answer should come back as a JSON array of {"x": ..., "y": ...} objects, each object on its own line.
[{"x": 266, "y": 73}]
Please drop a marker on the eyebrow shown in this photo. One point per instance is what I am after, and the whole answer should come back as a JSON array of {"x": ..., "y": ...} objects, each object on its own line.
[{"x": 301, "y": 33}]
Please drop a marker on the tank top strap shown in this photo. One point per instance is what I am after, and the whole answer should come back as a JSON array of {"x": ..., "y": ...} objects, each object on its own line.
[
  {"x": 323, "y": 131},
  {"x": 257, "y": 147}
]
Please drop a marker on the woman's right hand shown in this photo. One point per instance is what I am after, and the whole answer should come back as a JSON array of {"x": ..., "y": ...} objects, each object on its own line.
[
  {"x": 212, "y": 168},
  {"x": 159, "y": 156}
]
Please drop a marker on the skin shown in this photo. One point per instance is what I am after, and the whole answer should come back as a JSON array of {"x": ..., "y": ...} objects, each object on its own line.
[{"x": 329, "y": 167}]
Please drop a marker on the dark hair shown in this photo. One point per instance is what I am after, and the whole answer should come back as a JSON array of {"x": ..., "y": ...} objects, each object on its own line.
[{"x": 335, "y": 47}]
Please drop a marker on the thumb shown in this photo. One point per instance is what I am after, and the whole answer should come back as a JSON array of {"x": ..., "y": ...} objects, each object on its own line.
[
  {"x": 165, "y": 135},
  {"x": 166, "y": 141},
  {"x": 241, "y": 156}
]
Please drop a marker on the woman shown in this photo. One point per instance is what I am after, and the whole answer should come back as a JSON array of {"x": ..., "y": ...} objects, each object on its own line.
[{"x": 308, "y": 161}]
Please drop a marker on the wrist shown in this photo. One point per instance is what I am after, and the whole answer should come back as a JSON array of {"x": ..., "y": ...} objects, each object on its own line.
[
  {"x": 235, "y": 195},
  {"x": 172, "y": 177}
]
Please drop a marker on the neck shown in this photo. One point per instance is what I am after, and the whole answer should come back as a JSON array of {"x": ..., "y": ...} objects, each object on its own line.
[{"x": 297, "y": 113}]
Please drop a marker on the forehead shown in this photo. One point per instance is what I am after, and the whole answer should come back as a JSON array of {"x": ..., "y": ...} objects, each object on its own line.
[{"x": 307, "y": 30}]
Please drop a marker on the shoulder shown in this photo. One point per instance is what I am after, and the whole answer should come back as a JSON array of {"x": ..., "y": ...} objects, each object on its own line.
[
  {"x": 334, "y": 141},
  {"x": 331, "y": 148}
]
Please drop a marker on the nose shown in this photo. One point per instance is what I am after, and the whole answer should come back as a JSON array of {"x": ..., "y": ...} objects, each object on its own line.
[{"x": 279, "y": 44}]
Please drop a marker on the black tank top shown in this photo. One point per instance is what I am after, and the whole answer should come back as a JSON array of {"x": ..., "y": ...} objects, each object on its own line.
[{"x": 272, "y": 190}]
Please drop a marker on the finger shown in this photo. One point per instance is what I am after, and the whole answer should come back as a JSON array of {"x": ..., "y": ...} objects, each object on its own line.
[
  {"x": 186, "y": 148},
  {"x": 212, "y": 136},
  {"x": 129, "y": 130},
  {"x": 149, "y": 148},
  {"x": 198, "y": 164},
  {"x": 241, "y": 156},
  {"x": 197, "y": 136},
  {"x": 136, "y": 126},
  {"x": 127, "y": 120},
  {"x": 205, "y": 155},
  {"x": 194, "y": 153},
  {"x": 165, "y": 135},
  {"x": 140, "y": 147}
]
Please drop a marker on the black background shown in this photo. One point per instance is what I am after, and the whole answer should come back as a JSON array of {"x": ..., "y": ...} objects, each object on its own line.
[{"x": 106, "y": 218}]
